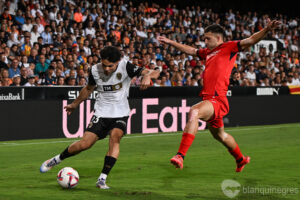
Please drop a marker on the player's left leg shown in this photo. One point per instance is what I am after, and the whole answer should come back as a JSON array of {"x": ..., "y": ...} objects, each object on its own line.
[
  {"x": 229, "y": 142},
  {"x": 87, "y": 141},
  {"x": 204, "y": 111},
  {"x": 111, "y": 156}
]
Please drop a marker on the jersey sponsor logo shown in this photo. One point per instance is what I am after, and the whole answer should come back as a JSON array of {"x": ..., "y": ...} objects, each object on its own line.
[
  {"x": 108, "y": 88},
  {"x": 119, "y": 76},
  {"x": 212, "y": 54}
]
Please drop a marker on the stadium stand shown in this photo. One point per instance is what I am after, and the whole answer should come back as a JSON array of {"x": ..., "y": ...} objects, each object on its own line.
[{"x": 55, "y": 42}]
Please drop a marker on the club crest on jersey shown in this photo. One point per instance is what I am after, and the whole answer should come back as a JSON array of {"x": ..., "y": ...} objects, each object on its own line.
[{"x": 119, "y": 76}]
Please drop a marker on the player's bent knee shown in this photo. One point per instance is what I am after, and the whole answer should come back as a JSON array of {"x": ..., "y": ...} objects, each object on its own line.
[
  {"x": 193, "y": 114},
  {"x": 115, "y": 139},
  {"x": 220, "y": 136}
]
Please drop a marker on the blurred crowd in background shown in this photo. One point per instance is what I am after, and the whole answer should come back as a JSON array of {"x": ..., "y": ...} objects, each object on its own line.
[{"x": 56, "y": 42}]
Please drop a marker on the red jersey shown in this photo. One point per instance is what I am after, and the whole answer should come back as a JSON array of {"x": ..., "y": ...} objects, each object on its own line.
[{"x": 218, "y": 66}]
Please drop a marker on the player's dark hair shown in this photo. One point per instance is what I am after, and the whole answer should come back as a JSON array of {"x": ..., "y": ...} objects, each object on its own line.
[
  {"x": 110, "y": 53},
  {"x": 215, "y": 28}
]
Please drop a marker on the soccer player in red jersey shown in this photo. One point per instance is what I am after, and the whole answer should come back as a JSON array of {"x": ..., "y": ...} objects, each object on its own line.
[{"x": 219, "y": 59}]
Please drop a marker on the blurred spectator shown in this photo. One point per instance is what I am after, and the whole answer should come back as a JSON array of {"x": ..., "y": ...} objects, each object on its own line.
[
  {"x": 16, "y": 80},
  {"x": 14, "y": 68},
  {"x": 41, "y": 66},
  {"x": 31, "y": 81},
  {"x": 27, "y": 26},
  {"x": 50, "y": 78},
  {"x": 3, "y": 65},
  {"x": 46, "y": 35},
  {"x": 60, "y": 80},
  {"x": 71, "y": 81},
  {"x": 6, "y": 81},
  {"x": 33, "y": 57},
  {"x": 82, "y": 81},
  {"x": 157, "y": 82},
  {"x": 250, "y": 74},
  {"x": 262, "y": 74},
  {"x": 34, "y": 34},
  {"x": 26, "y": 47},
  {"x": 235, "y": 79},
  {"x": 78, "y": 15},
  {"x": 6, "y": 15},
  {"x": 23, "y": 75}
]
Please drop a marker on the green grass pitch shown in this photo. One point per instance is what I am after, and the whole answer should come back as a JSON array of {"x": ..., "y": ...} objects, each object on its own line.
[{"x": 143, "y": 170}]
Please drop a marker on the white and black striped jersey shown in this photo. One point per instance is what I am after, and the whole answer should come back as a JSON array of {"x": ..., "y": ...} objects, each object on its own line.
[{"x": 113, "y": 90}]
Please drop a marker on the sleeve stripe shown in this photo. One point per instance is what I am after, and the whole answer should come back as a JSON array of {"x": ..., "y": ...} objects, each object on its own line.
[
  {"x": 239, "y": 46},
  {"x": 91, "y": 78},
  {"x": 133, "y": 70}
]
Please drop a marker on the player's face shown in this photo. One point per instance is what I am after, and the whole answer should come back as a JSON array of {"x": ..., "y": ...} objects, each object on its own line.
[
  {"x": 212, "y": 40},
  {"x": 109, "y": 67}
]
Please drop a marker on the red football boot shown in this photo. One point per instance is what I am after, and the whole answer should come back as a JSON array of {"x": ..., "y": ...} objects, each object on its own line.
[
  {"x": 177, "y": 161},
  {"x": 240, "y": 166}
]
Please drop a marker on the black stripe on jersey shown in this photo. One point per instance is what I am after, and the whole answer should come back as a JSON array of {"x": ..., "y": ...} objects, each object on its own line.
[
  {"x": 239, "y": 46},
  {"x": 133, "y": 70},
  {"x": 91, "y": 78},
  {"x": 232, "y": 54}
]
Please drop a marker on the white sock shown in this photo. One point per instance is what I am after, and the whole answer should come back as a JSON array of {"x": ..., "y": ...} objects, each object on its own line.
[{"x": 102, "y": 177}]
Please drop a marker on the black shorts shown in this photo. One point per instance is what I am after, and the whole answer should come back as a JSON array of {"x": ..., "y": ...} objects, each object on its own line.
[{"x": 102, "y": 126}]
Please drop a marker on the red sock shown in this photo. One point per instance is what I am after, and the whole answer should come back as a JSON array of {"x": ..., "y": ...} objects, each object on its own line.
[
  {"x": 186, "y": 141},
  {"x": 236, "y": 152}
]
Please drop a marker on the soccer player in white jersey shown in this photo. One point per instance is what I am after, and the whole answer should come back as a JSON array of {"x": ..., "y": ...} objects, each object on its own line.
[{"x": 111, "y": 78}]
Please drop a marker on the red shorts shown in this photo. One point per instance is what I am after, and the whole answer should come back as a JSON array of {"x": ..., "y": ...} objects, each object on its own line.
[{"x": 221, "y": 108}]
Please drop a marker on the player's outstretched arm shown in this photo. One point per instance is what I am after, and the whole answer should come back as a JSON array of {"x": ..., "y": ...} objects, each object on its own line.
[
  {"x": 83, "y": 95},
  {"x": 256, "y": 37},
  {"x": 147, "y": 76},
  {"x": 181, "y": 47}
]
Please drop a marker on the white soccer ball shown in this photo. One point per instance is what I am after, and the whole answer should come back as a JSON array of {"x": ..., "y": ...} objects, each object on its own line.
[{"x": 68, "y": 177}]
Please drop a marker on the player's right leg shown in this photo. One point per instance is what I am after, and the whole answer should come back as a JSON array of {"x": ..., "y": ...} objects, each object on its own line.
[
  {"x": 233, "y": 148},
  {"x": 87, "y": 141},
  {"x": 111, "y": 156},
  {"x": 204, "y": 111}
]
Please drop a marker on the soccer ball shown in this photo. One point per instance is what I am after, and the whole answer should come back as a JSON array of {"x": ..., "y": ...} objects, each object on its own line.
[{"x": 67, "y": 177}]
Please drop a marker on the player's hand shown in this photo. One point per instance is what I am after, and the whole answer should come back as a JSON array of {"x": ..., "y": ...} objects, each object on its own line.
[
  {"x": 70, "y": 108},
  {"x": 163, "y": 40},
  {"x": 145, "y": 83},
  {"x": 272, "y": 24}
]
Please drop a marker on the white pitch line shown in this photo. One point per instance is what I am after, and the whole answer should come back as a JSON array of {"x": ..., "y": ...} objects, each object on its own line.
[
  {"x": 31, "y": 143},
  {"x": 5, "y": 144}
]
